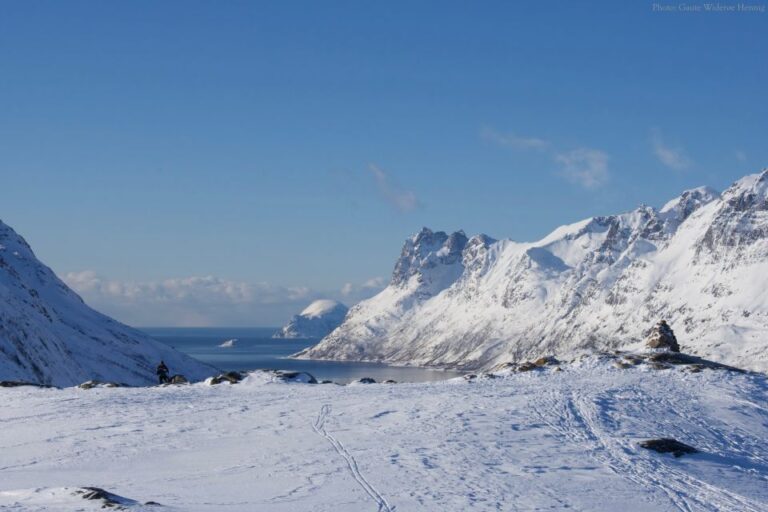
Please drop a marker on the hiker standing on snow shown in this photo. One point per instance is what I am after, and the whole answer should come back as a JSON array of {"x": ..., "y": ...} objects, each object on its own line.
[{"x": 162, "y": 373}]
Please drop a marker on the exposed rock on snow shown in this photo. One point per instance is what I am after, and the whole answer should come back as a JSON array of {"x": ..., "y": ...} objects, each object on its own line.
[
  {"x": 48, "y": 335},
  {"x": 263, "y": 376},
  {"x": 546, "y": 440},
  {"x": 68, "y": 498},
  {"x": 16, "y": 384},
  {"x": 662, "y": 337},
  {"x": 317, "y": 320},
  {"x": 667, "y": 445},
  {"x": 98, "y": 384},
  {"x": 298, "y": 377},
  {"x": 231, "y": 377},
  {"x": 700, "y": 262}
]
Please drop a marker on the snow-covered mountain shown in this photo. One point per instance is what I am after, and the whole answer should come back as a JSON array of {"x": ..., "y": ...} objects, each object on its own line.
[
  {"x": 700, "y": 262},
  {"x": 48, "y": 335},
  {"x": 317, "y": 320}
]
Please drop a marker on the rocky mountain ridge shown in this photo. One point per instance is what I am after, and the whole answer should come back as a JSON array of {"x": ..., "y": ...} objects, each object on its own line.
[{"x": 700, "y": 262}]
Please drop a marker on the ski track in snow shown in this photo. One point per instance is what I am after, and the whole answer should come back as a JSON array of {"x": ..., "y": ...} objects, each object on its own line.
[
  {"x": 580, "y": 422},
  {"x": 541, "y": 440},
  {"x": 319, "y": 427}
]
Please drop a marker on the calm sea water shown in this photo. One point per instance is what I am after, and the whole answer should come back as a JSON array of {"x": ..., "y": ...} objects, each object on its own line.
[{"x": 255, "y": 349}]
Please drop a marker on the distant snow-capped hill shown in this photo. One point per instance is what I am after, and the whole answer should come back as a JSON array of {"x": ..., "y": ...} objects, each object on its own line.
[
  {"x": 317, "y": 320},
  {"x": 700, "y": 262},
  {"x": 48, "y": 335}
]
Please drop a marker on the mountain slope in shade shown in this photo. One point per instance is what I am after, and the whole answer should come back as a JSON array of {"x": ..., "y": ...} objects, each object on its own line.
[
  {"x": 48, "y": 335},
  {"x": 317, "y": 320},
  {"x": 700, "y": 262}
]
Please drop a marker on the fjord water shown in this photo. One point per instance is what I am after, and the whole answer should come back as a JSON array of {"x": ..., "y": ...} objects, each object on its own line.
[{"x": 255, "y": 349}]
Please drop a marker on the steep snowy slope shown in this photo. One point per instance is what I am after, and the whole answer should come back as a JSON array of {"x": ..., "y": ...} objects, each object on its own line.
[
  {"x": 701, "y": 262},
  {"x": 317, "y": 320},
  {"x": 48, "y": 335}
]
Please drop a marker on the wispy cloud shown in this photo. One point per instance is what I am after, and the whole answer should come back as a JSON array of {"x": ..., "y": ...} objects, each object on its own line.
[
  {"x": 352, "y": 292},
  {"x": 741, "y": 156},
  {"x": 512, "y": 140},
  {"x": 190, "y": 301},
  {"x": 672, "y": 157},
  {"x": 585, "y": 167},
  {"x": 401, "y": 199},
  {"x": 200, "y": 301}
]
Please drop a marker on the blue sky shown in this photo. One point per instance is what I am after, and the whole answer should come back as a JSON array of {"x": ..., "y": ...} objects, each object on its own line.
[{"x": 223, "y": 163}]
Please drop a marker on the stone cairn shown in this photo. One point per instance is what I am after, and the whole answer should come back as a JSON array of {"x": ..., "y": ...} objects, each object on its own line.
[{"x": 662, "y": 337}]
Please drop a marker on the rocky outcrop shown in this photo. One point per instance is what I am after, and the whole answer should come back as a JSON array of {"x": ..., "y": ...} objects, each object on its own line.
[
  {"x": 99, "y": 384},
  {"x": 662, "y": 337},
  {"x": 668, "y": 445},
  {"x": 230, "y": 377},
  {"x": 17, "y": 384},
  {"x": 109, "y": 500}
]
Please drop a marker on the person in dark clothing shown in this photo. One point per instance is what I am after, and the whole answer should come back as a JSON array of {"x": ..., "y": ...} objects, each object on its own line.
[{"x": 162, "y": 373}]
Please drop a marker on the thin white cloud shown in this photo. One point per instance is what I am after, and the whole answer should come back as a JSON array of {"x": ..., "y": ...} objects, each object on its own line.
[
  {"x": 672, "y": 157},
  {"x": 585, "y": 167},
  {"x": 192, "y": 301},
  {"x": 199, "y": 301},
  {"x": 352, "y": 292},
  {"x": 513, "y": 141},
  {"x": 401, "y": 199}
]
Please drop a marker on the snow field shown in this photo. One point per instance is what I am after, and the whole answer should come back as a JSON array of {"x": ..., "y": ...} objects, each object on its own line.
[{"x": 541, "y": 440}]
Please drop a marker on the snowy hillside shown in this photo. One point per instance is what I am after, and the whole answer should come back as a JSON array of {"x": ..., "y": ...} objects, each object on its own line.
[
  {"x": 538, "y": 440},
  {"x": 317, "y": 320},
  {"x": 48, "y": 335},
  {"x": 701, "y": 262}
]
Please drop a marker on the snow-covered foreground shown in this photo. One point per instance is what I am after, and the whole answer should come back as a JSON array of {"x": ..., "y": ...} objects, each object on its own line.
[{"x": 540, "y": 440}]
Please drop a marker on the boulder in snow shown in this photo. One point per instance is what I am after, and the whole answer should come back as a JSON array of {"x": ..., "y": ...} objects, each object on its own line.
[
  {"x": 668, "y": 445},
  {"x": 231, "y": 377},
  {"x": 662, "y": 337}
]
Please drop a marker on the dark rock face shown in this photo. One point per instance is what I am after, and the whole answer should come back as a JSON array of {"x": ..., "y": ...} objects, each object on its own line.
[
  {"x": 108, "y": 500},
  {"x": 367, "y": 380},
  {"x": 16, "y": 384},
  {"x": 662, "y": 337},
  {"x": 668, "y": 445},
  {"x": 231, "y": 377},
  {"x": 423, "y": 251},
  {"x": 527, "y": 366}
]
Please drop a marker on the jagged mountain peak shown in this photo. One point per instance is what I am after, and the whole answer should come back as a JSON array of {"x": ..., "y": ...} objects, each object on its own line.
[
  {"x": 701, "y": 262},
  {"x": 753, "y": 182},
  {"x": 690, "y": 200},
  {"x": 425, "y": 251}
]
